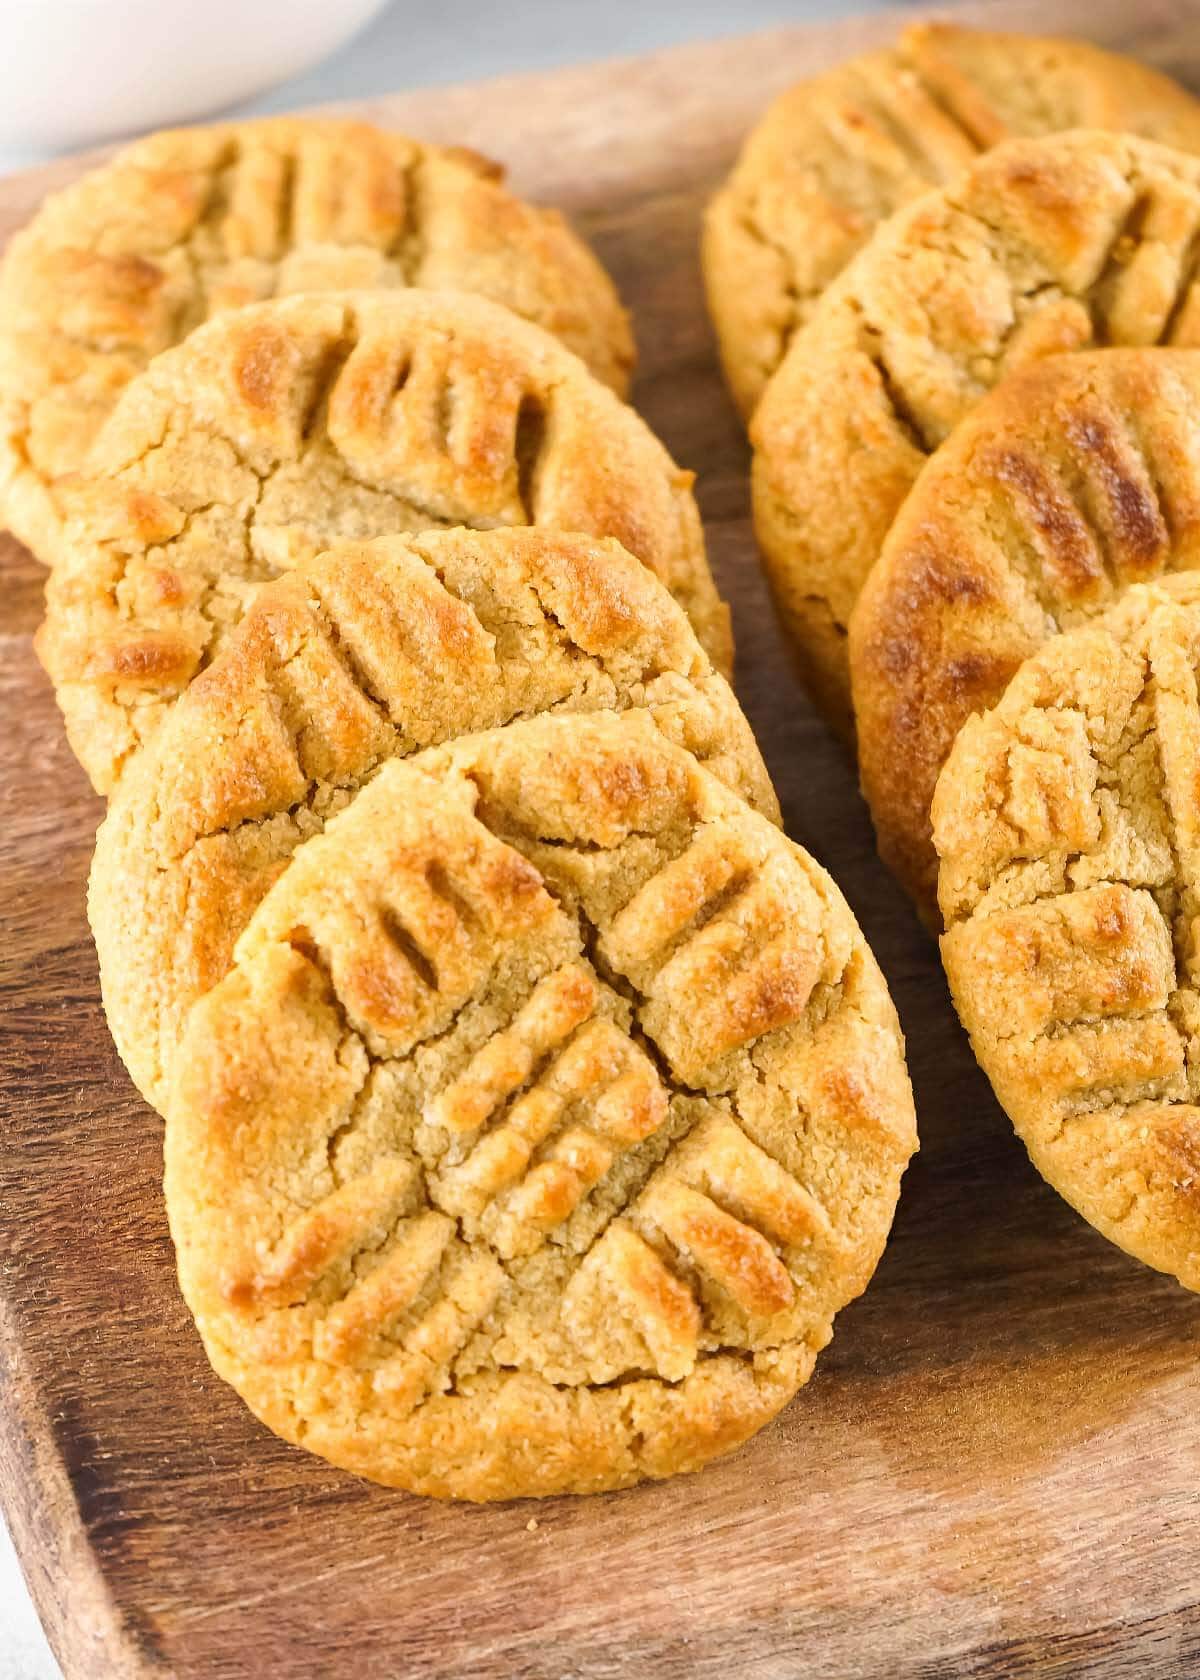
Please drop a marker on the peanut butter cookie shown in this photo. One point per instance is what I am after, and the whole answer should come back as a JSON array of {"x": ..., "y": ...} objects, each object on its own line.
[
  {"x": 553, "y": 1107},
  {"x": 1042, "y": 246},
  {"x": 1075, "y": 478},
  {"x": 373, "y": 651},
  {"x": 127, "y": 261},
  {"x": 278, "y": 429},
  {"x": 1068, "y": 830},
  {"x": 836, "y": 155}
]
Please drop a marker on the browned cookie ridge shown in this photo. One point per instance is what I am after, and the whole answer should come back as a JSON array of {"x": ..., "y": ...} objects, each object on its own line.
[
  {"x": 369, "y": 652},
  {"x": 1074, "y": 479},
  {"x": 280, "y": 428},
  {"x": 1068, "y": 830},
  {"x": 837, "y": 154},
  {"x": 553, "y": 1107},
  {"x": 1045, "y": 245},
  {"x": 128, "y": 260}
]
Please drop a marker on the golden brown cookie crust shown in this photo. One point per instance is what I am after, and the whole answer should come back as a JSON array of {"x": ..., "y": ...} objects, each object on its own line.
[
  {"x": 372, "y": 651},
  {"x": 125, "y": 262},
  {"x": 278, "y": 429},
  {"x": 1041, "y": 246},
  {"x": 553, "y": 1107},
  {"x": 839, "y": 153},
  {"x": 1066, "y": 824},
  {"x": 1074, "y": 479}
]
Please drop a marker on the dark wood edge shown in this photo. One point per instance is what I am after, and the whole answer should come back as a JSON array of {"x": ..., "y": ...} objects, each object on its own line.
[
  {"x": 1150, "y": 22},
  {"x": 78, "y": 1612},
  {"x": 81, "y": 1618}
]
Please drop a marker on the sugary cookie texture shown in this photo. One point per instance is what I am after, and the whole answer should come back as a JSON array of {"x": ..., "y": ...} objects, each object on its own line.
[
  {"x": 127, "y": 261},
  {"x": 551, "y": 1109},
  {"x": 1041, "y": 246},
  {"x": 278, "y": 429},
  {"x": 837, "y": 154},
  {"x": 1068, "y": 829},
  {"x": 1074, "y": 479},
  {"x": 371, "y": 651}
]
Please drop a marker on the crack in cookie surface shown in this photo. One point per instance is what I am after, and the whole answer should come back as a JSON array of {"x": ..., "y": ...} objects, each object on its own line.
[
  {"x": 1042, "y": 246},
  {"x": 1071, "y": 932},
  {"x": 1074, "y": 479},
  {"x": 835, "y": 156},
  {"x": 544, "y": 1110},
  {"x": 373, "y": 651},
  {"x": 281, "y": 428},
  {"x": 129, "y": 260}
]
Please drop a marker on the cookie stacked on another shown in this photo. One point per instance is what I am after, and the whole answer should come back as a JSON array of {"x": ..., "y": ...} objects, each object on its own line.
[
  {"x": 1076, "y": 478},
  {"x": 1042, "y": 246},
  {"x": 532, "y": 1102},
  {"x": 951, "y": 479},
  {"x": 838, "y": 154},
  {"x": 612, "y": 1096},
  {"x": 1026, "y": 708},
  {"x": 179, "y": 226},
  {"x": 551, "y": 1108},
  {"x": 1066, "y": 824},
  {"x": 1025, "y": 704},
  {"x": 279, "y": 428},
  {"x": 371, "y": 651}
]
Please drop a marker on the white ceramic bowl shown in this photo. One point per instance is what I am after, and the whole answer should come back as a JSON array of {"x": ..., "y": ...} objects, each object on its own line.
[{"x": 77, "y": 71}]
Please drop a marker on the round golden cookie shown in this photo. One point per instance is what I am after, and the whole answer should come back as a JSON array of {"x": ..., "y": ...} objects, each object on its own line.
[
  {"x": 280, "y": 428},
  {"x": 553, "y": 1107},
  {"x": 1075, "y": 478},
  {"x": 374, "y": 650},
  {"x": 1041, "y": 246},
  {"x": 1068, "y": 829},
  {"x": 837, "y": 154},
  {"x": 127, "y": 261}
]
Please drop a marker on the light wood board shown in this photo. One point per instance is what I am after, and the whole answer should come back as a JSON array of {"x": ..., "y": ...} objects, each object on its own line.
[{"x": 996, "y": 1470}]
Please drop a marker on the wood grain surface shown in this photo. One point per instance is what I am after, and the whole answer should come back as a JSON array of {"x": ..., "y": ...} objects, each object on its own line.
[{"x": 996, "y": 1470}]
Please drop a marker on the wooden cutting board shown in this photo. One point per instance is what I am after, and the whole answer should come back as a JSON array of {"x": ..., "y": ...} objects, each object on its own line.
[{"x": 996, "y": 1470}]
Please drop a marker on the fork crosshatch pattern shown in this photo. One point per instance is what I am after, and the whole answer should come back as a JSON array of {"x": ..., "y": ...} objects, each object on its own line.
[
  {"x": 1059, "y": 244},
  {"x": 276, "y": 430},
  {"x": 372, "y": 651},
  {"x": 834, "y": 156},
  {"x": 1074, "y": 479},
  {"x": 552, "y": 1108},
  {"x": 1066, "y": 825},
  {"x": 126, "y": 262},
  {"x": 992, "y": 1468}
]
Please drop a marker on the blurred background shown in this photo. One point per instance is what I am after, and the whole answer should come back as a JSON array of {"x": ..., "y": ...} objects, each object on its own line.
[{"x": 76, "y": 72}]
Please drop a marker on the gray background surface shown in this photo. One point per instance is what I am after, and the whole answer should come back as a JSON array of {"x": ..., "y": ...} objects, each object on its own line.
[{"x": 417, "y": 43}]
